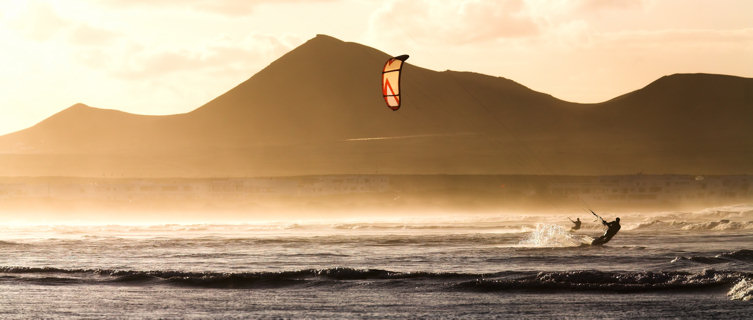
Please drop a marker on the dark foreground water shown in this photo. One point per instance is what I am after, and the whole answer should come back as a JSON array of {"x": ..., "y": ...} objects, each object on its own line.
[{"x": 663, "y": 265}]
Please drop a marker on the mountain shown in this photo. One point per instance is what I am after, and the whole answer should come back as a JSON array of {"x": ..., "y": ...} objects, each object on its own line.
[{"x": 318, "y": 110}]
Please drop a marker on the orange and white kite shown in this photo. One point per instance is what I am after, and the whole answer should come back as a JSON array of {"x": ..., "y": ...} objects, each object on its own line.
[{"x": 391, "y": 81}]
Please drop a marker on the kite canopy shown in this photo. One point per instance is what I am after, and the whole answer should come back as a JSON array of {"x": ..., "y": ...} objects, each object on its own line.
[{"x": 391, "y": 81}]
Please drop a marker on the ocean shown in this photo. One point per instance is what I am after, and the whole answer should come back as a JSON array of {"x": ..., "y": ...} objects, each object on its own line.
[{"x": 684, "y": 265}]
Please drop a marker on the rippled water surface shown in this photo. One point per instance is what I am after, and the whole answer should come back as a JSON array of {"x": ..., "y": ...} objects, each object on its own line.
[{"x": 662, "y": 265}]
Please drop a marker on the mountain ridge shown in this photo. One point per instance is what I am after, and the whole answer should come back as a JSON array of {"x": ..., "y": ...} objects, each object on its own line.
[{"x": 318, "y": 110}]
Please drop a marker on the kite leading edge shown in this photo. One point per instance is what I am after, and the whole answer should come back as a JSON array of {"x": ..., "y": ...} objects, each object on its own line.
[{"x": 391, "y": 81}]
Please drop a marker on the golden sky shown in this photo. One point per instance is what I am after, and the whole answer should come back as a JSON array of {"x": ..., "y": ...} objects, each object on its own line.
[{"x": 171, "y": 56}]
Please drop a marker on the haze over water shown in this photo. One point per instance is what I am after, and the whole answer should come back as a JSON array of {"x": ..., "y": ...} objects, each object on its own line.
[
  {"x": 236, "y": 159},
  {"x": 686, "y": 264}
]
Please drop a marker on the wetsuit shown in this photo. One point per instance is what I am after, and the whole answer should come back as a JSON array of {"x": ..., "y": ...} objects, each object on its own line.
[
  {"x": 576, "y": 226},
  {"x": 612, "y": 228}
]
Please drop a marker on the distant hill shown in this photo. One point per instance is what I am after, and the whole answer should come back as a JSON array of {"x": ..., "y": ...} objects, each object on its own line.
[{"x": 313, "y": 110}]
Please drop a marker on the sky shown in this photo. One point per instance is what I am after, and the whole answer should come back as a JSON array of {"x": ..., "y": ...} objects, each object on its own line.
[{"x": 172, "y": 56}]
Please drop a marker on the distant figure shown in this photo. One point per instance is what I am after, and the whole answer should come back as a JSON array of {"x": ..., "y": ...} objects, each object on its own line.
[
  {"x": 576, "y": 222},
  {"x": 612, "y": 228}
]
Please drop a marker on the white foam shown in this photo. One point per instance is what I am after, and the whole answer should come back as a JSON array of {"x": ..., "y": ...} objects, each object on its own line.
[
  {"x": 552, "y": 235},
  {"x": 743, "y": 290}
]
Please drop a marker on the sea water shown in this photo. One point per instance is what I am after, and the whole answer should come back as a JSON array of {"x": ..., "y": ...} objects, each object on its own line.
[{"x": 660, "y": 265}]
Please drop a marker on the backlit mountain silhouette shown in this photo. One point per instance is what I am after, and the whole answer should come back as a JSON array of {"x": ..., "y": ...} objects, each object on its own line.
[{"x": 318, "y": 110}]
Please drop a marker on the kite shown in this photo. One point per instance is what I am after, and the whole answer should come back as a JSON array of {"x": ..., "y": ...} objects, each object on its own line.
[{"x": 391, "y": 81}]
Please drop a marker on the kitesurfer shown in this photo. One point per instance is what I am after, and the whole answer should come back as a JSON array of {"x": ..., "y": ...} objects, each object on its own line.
[
  {"x": 612, "y": 228},
  {"x": 576, "y": 223}
]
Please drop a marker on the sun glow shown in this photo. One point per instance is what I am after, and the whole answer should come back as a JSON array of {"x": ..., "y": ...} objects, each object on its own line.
[{"x": 12, "y": 8}]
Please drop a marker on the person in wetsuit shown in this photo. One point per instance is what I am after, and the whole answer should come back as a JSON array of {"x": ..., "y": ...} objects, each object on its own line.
[
  {"x": 576, "y": 222},
  {"x": 612, "y": 228}
]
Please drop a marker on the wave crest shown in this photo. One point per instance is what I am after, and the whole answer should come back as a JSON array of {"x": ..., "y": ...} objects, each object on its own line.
[
  {"x": 7, "y": 243},
  {"x": 606, "y": 281},
  {"x": 743, "y": 290},
  {"x": 540, "y": 282},
  {"x": 219, "y": 280},
  {"x": 743, "y": 255},
  {"x": 720, "y": 225}
]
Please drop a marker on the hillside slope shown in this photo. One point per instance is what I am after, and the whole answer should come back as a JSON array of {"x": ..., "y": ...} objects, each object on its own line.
[{"x": 318, "y": 110}]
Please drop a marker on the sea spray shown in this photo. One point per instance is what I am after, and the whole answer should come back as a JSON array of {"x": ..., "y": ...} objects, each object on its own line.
[
  {"x": 551, "y": 235},
  {"x": 743, "y": 290}
]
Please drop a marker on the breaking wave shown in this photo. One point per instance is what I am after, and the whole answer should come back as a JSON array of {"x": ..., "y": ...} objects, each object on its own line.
[
  {"x": 743, "y": 290},
  {"x": 50, "y": 275},
  {"x": 728, "y": 218},
  {"x": 720, "y": 225},
  {"x": 540, "y": 282},
  {"x": 616, "y": 282}
]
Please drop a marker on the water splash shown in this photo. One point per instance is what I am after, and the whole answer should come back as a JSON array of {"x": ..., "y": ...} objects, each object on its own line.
[
  {"x": 552, "y": 235},
  {"x": 743, "y": 290}
]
